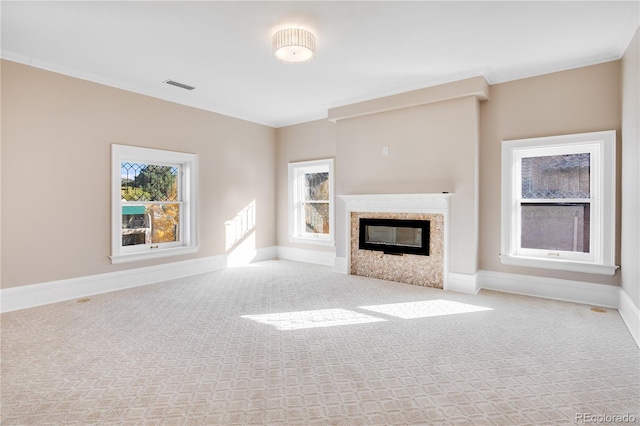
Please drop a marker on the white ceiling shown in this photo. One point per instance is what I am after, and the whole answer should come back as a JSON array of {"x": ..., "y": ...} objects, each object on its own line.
[{"x": 365, "y": 49}]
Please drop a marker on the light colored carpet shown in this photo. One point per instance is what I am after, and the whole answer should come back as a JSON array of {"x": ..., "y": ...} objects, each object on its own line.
[{"x": 282, "y": 342}]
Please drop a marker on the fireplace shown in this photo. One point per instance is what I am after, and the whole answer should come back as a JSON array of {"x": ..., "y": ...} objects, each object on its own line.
[
  {"x": 421, "y": 222},
  {"x": 394, "y": 236}
]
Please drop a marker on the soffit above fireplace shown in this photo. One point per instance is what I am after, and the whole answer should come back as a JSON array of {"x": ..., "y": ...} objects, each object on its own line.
[{"x": 474, "y": 86}]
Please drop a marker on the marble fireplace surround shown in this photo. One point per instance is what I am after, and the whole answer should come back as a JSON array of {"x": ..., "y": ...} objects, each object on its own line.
[{"x": 429, "y": 270}]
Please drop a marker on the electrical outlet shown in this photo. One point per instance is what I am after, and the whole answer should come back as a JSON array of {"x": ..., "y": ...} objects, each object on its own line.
[{"x": 385, "y": 150}]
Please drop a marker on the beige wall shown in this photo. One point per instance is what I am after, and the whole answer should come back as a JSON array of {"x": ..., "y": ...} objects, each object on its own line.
[
  {"x": 575, "y": 101},
  {"x": 56, "y": 138},
  {"x": 630, "y": 244},
  {"x": 432, "y": 149},
  {"x": 315, "y": 140},
  {"x": 57, "y": 132}
]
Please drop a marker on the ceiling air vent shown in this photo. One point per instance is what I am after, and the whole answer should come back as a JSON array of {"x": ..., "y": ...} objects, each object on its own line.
[{"x": 180, "y": 85}]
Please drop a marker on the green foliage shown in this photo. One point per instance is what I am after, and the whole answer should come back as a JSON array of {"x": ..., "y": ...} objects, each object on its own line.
[
  {"x": 134, "y": 194},
  {"x": 152, "y": 183},
  {"x": 157, "y": 181}
]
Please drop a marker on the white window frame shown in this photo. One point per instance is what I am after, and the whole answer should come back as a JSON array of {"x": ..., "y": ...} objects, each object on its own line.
[
  {"x": 188, "y": 194},
  {"x": 601, "y": 256},
  {"x": 297, "y": 232}
]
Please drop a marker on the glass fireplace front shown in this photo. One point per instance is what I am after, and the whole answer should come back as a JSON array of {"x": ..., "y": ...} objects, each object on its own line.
[{"x": 395, "y": 236}]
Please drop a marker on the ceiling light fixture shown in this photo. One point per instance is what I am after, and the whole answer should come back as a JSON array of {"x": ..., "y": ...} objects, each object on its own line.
[{"x": 294, "y": 46}]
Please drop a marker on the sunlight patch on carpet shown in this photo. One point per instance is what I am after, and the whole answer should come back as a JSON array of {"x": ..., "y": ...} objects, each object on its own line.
[
  {"x": 424, "y": 309},
  {"x": 313, "y": 319}
]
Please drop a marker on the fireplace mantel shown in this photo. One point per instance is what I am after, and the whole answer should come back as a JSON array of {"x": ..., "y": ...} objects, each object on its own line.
[{"x": 397, "y": 203}]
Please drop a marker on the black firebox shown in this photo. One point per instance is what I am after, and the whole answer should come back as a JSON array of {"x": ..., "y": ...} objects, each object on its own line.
[{"x": 395, "y": 236}]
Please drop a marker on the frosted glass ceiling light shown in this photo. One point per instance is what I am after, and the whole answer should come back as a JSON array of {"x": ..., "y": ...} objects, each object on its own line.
[{"x": 294, "y": 46}]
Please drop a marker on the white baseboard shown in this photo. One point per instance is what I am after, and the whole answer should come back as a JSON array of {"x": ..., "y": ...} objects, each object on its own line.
[
  {"x": 462, "y": 283},
  {"x": 29, "y": 296},
  {"x": 265, "y": 253},
  {"x": 341, "y": 265},
  {"x": 551, "y": 288},
  {"x": 326, "y": 258},
  {"x": 630, "y": 315}
]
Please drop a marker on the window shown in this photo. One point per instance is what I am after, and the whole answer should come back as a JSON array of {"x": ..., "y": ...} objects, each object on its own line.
[
  {"x": 311, "y": 202},
  {"x": 558, "y": 202},
  {"x": 154, "y": 195}
]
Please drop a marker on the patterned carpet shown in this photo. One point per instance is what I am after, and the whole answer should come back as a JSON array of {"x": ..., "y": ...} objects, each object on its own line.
[{"x": 282, "y": 342}]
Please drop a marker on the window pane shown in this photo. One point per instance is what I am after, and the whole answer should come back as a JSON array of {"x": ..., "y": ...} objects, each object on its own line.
[
  {"x": 556, "y": 176},
  {"x": 148, "y": 182},
  {"x": 556, "y": 226},
  {"x": 150, "y": 224},
  {"x": 316, "y": 218},
  {"x": 316, "y": 186}
]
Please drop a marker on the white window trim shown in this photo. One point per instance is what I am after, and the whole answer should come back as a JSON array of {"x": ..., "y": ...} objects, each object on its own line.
[
  {"x": 294, "y": 216},
  {"x": 601, "y": 259},
  {"x": 189, "y": 210}
]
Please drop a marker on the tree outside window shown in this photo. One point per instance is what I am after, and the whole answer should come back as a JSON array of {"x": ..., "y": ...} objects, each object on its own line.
[
  {"x": 153, "y": 188},
  {"x": 154, "y": 203}
]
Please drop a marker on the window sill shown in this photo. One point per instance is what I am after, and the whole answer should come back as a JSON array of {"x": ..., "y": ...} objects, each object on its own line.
[
  {"x": 560, "y": 265},
  {"x": 313, "y": 240},
  {"x": 134, "y": 257}
]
